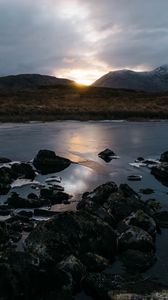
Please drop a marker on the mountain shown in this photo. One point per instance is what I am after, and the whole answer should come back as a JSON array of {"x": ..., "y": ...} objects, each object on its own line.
[
  {"x": 24, "y": 81},
  {"x": 151, "y": 81}
]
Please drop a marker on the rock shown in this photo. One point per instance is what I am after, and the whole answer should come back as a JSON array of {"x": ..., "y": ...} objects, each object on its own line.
[
  {"x": 4, "y": 234},
  {"x": 161, "y": 173},
  {"x": 137, "y": 260},
  {"x": 23, "y": 170},
  {"x": 107, "y": 155},
  {"x": 16, "y": 201},
  {"x": 32, "y": 196},
  {"x": 4, "y": 188},
  {"x": 56, "y": 197},
  {"x": 5, "y": 212},
  {"x": 74, "y": 268},
  {"x": 4, "y": 160},
  {"x": 147, "y": 191},
  {"x": 135, "y": 238},
  {"x": 139, "y": 159},
  {"x": 142, "y": 220},
  {"x": 15, "y": 237},
  {"x": 6, "y": 175},
  {"x": 99, "y": 285},
  {"x": 154, "y": 205},
  {"x": 99, "y": 195},
  {"x": 164, "y": 157},
  {"x": 47, "y": 161},
  {"x": 162, "y": 218},
  {"x": 94, "y": 262},
  {"x": 44, "y": 213},
  {"x": 71, "y": 233},
  {"x": 25, "y": 214},
  {"x": 134, "y": 177},
  {"x": 124, "y": 202}
]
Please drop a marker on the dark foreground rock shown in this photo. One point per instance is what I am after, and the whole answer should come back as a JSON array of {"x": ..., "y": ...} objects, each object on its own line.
[
  {"x": 4, "y": 160},
  {"x": 15, "y": 201},
  {"x": 71, "y": 234},
  {"x": 47, "y": 161},
  {"x": 103, "y": 286},
  {"x": 161, "y": 173}
]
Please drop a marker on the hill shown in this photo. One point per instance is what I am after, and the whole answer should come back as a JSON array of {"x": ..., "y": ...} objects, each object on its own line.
[
  {"x": 152, "y": 81},
  {"x": 24, "y": 81}
]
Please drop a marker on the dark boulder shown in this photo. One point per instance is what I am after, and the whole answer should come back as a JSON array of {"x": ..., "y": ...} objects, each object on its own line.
[
  {"x": 94, "y": 262},
  {"x": 47, "y": 161},
  {"x": 56, "y": 197},
  {"x": 71, "y": 233},
  {"x": 4, "y": 188},
  {"x": 4, "y": 160},
  {"x": 162, "y": 218},
  {"x": 4, "y": 234},
  {"x": 142, "y": 220},
  {"x": 16, "y": 201},
  {"x": 107, "y": 155},
  {"x": 164, "y": 157},
  {"x": 23, "y": 170},
  {"x": 135, "y": 238},
  {"x": 136, "y": 260},
  {"x": 161, "y": 173},
  {"x": 44, "y": 213},
  {"x": 99, "y": 285}
]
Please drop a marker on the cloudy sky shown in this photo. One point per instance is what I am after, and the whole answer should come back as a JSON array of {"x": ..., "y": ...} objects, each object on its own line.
[{"x": 82, "y": 39}]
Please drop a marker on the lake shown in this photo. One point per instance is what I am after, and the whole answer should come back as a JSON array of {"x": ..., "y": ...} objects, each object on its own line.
[{"x": 81, "y": 142}]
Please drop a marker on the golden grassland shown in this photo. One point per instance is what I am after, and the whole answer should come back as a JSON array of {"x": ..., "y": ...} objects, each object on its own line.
[{"x": 80, "y": 103}]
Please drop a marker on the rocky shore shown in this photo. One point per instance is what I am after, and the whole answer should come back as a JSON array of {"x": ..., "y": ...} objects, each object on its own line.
[{"x": 72, "y": 251}]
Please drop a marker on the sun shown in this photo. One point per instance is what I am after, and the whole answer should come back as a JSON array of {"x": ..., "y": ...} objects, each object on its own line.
[{"x": 81, "y": 76}]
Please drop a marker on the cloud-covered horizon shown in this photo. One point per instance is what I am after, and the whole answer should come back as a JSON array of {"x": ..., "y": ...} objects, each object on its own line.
[{"x": 82, "y": 40}]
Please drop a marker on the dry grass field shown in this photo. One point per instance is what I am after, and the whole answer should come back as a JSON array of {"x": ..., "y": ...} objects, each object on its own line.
[{"x": 80, "y": 103}]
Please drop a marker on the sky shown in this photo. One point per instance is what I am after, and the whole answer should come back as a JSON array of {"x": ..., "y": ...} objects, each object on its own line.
[{"x": 81, "y": 39}]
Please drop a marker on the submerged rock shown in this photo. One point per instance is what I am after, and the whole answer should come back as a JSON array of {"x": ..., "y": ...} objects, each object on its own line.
[
  {"x": 71, "y": 234},
  {"x": 147, "y": 191},
  {"x": 47, "y": 161}
]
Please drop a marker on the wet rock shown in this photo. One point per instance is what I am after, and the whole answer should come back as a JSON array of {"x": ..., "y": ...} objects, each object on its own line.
[
  {"x": 137, "y": 260},
  {"x": 162, "y": 218},
  {"x": 164, "y": 157},
  {"x": 99, "y": 285},
  {"x": 124, "y": 202},
  {"x": 154, "y": 205},
  {"x": 74, "y": 268},
  {"x": 32, "y": 196},
  {"x": 15, "y": 237},
  {"x": 71, "y": 233},
  {"x": 94, "y": 262},
  {"x": 4, "y": 160},
  {"x": 142, "y": 220},
  {"x": 16, "y": 201},
  {"x": 44, "y": 213},
  {"x": 161, "y": 173},
  {"x": 147, "y": 191},
  {"x": 139, "y": 159},
  {"x": 23, "y": 170},
  {"x": 4, "y": 234},
  {"x": 107, "y": 155},
  {"x": 5, "y": 212},
  {"x": 25, "y": 214},
  {"x": 135, "y": 238},
  {"x": 47, "y": 161},
  {"x": 56, "y": 197},
  {"x": 99, "y": 195},
  {"x": 4, "y": 188}
]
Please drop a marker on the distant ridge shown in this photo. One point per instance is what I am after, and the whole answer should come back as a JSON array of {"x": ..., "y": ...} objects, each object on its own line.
[
  {"x": 149, "y": 81},
  {"x": 24, "y": 81}
]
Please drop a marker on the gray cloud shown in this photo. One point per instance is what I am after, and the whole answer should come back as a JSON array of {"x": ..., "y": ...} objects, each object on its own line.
[{"x": 59, "y": 36}]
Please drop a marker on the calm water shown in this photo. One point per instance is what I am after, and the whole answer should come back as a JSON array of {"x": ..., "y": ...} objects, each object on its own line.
[{"x": 81, "y": 142}]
